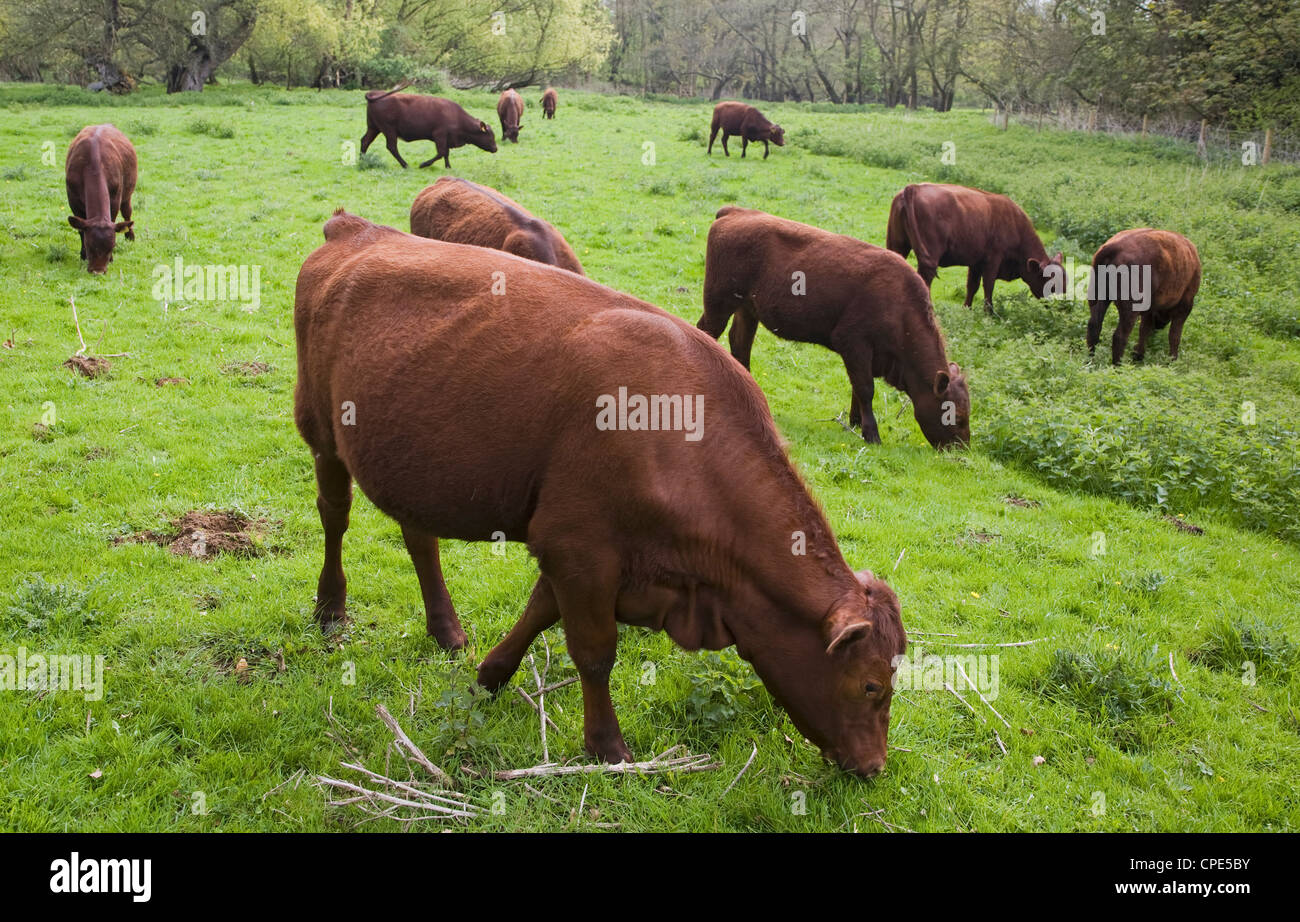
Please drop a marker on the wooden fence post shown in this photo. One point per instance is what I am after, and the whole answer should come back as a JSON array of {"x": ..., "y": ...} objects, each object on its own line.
[
  {"x": 1268, "y": 146},
  {"x": 1200, "y": 142},
  {"x": 1144, "y": 126}
]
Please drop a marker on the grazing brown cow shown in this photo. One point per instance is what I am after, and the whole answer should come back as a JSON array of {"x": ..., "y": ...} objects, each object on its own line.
[
  {"x": 864, "y": 302},
  {"x": 638, "y": 462},
  {"x": 957, "y": 226},
  {"x": 100, "y": 172},
  {"x": 744, "y": 120},
  {"x": 1153, "y": 274},
  {"x": 459, "y": 211},
  {"x": 549, "y": 102},
  {"x": 423, "y": 118},
  {"x": 510, "y": 109}
]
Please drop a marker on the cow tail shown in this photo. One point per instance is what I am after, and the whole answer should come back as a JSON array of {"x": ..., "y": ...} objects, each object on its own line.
[
  {"x": 909, "y": 226},
  {"x": 372, "y": 96}
]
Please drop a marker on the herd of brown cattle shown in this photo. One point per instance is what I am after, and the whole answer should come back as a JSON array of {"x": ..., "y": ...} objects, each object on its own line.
[{"x": 454, "y": 373}]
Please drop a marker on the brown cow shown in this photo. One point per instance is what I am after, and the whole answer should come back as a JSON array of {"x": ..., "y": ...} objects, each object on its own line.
[
  {"x": 467, "y": 414},
  {"x": 459, "y": 211},
  {"x": 744, "y": 120},
  {"x": 100, "y": 173},
  {"x": 811, "y": 286},
  {"x": 549, "y": 102},
  {"x": 1152, "y": 273},
  {"x": 957, "y": 226},
  {"x": 423, "y": 118},
  {"x": 510, "y": 109}
]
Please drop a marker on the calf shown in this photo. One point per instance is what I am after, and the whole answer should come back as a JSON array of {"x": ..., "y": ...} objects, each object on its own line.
[
  {"x": 468, "y": 414},
  {"x": 510, "y": 109},
  {"x": 1151, "y": 273},
  {"x": 549, "y": 101},
  {"x": 459, "y": 211},
  {"x": 423, "y": 118},
  {"x": 866, "y": 303},
  {"x": 744, "y": 120},
  {"x": 957, "y": 226},
  {"x": 100, "y": 173}
]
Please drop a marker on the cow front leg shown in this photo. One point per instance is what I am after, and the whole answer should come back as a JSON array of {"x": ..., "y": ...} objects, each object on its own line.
[
  {"x": 440, "y": 618},
  {"x": 857, "y": 362},
  {"x": 765, "y": 149},
  {"x": 927, "y": 272},
  {"x": 990, "y": 278},
  {"x": 744, "y": 145},
  {"x": 334, "y": 502},
  {"x": 587, "y": 599},
  {"x": 540, "y": 613},
  {"x": 1176, "y": 329},
  {"x": 126, "y": 216}
]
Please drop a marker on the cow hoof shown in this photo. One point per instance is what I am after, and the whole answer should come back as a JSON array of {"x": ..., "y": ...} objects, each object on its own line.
[
  {"x": 493, "y": 675},
  {"x": 331, "y": 622},
  {"x": 449, "y": 637},
  {"x": 609, "y": 750}
]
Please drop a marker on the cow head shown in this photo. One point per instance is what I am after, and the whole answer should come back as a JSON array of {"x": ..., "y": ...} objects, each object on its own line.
[
  {"x": 483, "y": 138},
  {"x": 97, "y": 240},
  {"x": 943, "y": 411},
  {"x": 1039, "y": 274},
  {"x": 776, "y": 134},
  {"x": 841, "y": 702},
  {"x": 511, "y": 133}
]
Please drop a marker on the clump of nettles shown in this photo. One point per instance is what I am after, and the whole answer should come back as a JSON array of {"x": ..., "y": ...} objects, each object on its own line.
[
  {"x": 1116, "y": 687},
  {"x": 460, "y": 713},
  {"x": 1237, "y": 644},
  {"x": 721, "y": 689},
  {"x": 40, "y": 607}
]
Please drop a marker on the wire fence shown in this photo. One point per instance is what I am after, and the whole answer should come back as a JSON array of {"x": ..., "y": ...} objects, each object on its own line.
[{"x": 1213, "y": 143}]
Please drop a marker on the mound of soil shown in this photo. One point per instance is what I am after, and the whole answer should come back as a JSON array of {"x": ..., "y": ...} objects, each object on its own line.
[
  {"x": 1184, "y": 526},
  {"x": 247, "y": 369},
  {"x": 92, "y": 366},
  {"x": 205, "y": 535}
]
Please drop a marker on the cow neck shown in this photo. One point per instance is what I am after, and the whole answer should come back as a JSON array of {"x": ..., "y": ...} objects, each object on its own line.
[
  {"x": 94, "y": 184},
  {"x": 926, "y": 356},
  {"x": 779, "y": 589}
]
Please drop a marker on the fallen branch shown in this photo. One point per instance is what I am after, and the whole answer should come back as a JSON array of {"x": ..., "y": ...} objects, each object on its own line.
[
  {"x": 971, "y": 646},
  {"x": 702, "y": 762},
  {"x": 965, "y": 702},
  {"x": 742, "y": 771},
  {"x": 404, "y": 742},
  {"x": 981, "y": 694}
]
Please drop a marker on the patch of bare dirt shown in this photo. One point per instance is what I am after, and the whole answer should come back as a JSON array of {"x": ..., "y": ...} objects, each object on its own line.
[
  {"x": 1183, "y": 525},
  {"x": 164, "y": 382},
  {"x": 91, "y": 366},
  {"x": 247, "y": 369},
  {"x": 204, "y": 535},
  {"x": 1012, "y": 499}
]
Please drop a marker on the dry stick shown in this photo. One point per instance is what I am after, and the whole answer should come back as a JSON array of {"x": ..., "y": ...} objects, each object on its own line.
[
  {"x": 872, "y": 815},
  {"x": 981, "y": 694},
  {"x": 541, "y": 708},
  {"x": 550, "y": 688},
  {"x": 899, "y": 560},
  {"x": 529, "y": 698},
  {"x": 405, "y": 742},
  {"x": 1001, "y": 745},
  {"x": 694, "y": 763},
  {"x": 932, "y": 633},
  {"x": 1174, "y": 674},
  {"x": 742, "y": 771},
  {"x": 77, "y": 323},
  {"x": 408, "y": 788},
  {"x": 839, "y": 419},
  {"x": 536, "y": 793},
  {"x": 581, "y": 803},
  {"x": 388, "y": 798},
  {"x": 296, "y": 776},
  {"x": 965, "y": 702}
]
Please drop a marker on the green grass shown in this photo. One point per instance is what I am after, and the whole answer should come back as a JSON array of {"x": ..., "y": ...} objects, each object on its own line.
[{"x": 252, "y": 177}]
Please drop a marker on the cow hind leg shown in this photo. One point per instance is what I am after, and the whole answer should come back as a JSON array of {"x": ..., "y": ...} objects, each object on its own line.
[
  {"x": 744, "y": 146},
  {"x": 927, "y": 273},
  {"x": 1122, "y": 330},
  {"x": 540, "y": 613},
  {"x": 719, "y": 305},
  {"x": 368, "y": 138},
  {"x": 741, "y": 338},
  {"x": 1096, "y": 316},
  {"x": 334, "y": 503},
  {"x": 972, "y": 284},
  {"x": 126, "y": 216},
  {"x": 1176, "y": 328},
  {"x": 440, "y": 618},
  {"x": 391, "y": 140},
  {"x": 1145, "y": 326},
  {"x": 713, "y": 133},
  {"x": 724, "y": 143}
]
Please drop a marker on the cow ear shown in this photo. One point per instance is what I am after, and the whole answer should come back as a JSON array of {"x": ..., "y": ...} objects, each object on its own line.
[
  {"x": 78, "y": 223},
  {"x": 941, "y": 381},
  {"x": 123, "y": 226},
  {"x": 1034, "y": 265},
  {"x": 482, "y": 126},
  {"x": 1057, "y": 257},
  {"x": 846, "y": 623}
]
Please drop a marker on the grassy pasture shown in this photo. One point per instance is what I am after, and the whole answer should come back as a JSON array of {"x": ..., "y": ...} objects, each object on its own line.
[{"x": 1163, "y": 695}]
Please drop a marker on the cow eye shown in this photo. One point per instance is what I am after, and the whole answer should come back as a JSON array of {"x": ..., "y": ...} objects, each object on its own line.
[{"x": 871, "y": 688}]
